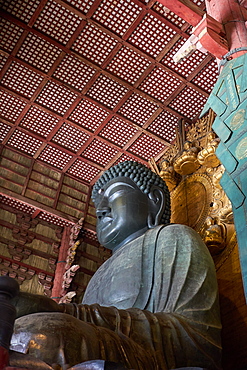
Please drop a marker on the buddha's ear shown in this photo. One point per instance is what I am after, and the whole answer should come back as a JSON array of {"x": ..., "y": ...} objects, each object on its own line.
[{"x": 156, "y": 206}]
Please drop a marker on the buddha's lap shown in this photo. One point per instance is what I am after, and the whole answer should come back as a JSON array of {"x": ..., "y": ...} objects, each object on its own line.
[{"x": 62, "y": 339}]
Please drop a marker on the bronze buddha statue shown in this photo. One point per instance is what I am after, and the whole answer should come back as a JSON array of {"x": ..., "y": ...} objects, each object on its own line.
[{"x": 152, "y": 305}]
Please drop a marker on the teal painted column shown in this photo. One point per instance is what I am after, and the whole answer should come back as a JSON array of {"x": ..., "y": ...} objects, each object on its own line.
[{"x": 229, "y": 101}]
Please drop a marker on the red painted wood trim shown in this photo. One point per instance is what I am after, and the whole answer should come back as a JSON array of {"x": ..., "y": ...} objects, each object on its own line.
[
  {"x": 60, "y": 266},
  {"x": 29, "y": 267},
  {"x": 185, "y": 9}
]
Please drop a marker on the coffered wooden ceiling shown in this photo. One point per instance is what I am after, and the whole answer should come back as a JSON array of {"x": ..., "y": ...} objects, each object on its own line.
[{"x": 86, "y": 84}]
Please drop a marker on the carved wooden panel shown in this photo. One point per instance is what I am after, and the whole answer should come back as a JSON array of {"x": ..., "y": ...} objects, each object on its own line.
[{"x": 191, "y": 201}]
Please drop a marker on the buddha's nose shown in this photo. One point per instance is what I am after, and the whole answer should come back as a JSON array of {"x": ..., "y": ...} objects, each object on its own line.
[{"x": 103, "y": 212}]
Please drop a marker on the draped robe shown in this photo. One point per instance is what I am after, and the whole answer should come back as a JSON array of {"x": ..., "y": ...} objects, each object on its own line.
[
  {"x": 161, "y": 291},
  {"x": 153, "y": 305}
]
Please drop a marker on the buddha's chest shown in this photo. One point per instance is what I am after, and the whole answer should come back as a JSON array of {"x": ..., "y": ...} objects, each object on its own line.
[{"x": 117, "y": 282}]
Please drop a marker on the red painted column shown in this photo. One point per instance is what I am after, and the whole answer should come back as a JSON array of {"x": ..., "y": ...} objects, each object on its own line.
[
  {"x": 60, "y": 267},
  {"x": 233, "y": 17}
]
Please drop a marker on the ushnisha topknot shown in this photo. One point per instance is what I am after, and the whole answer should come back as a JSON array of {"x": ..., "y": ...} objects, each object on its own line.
[{"x": 142, "y": 176}]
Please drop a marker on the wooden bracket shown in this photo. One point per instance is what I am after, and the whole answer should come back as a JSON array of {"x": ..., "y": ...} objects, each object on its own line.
[
  {"x": 207, "y": 36},
  {"x": 211, "y": 36}
]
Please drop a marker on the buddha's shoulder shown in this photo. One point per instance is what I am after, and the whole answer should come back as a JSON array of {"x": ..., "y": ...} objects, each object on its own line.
[
  {"x": 174, "y": 229},
  {"x": 176, "y": 233}
]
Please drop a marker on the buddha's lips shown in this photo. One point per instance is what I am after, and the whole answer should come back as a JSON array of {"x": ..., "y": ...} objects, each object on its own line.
[{"x": 107, "y": 220}]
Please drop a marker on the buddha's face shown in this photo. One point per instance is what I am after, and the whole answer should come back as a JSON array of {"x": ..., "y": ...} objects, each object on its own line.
[{"x": 122, "y": 211}]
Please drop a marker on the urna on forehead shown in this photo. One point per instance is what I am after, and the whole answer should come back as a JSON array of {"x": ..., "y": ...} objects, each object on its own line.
[{"x": 142, "y": 176}]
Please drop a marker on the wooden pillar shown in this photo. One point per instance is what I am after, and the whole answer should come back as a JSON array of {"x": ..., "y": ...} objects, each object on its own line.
[
  {"x": 60, "y": 266},
  {"x": 233, "y": 17}
]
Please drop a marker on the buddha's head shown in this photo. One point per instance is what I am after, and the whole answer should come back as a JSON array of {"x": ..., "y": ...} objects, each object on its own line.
[{"x": 129, "y": 199}]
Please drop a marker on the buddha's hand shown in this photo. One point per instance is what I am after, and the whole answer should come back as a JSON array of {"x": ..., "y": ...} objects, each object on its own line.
[{"x": 26, "y": 303}]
